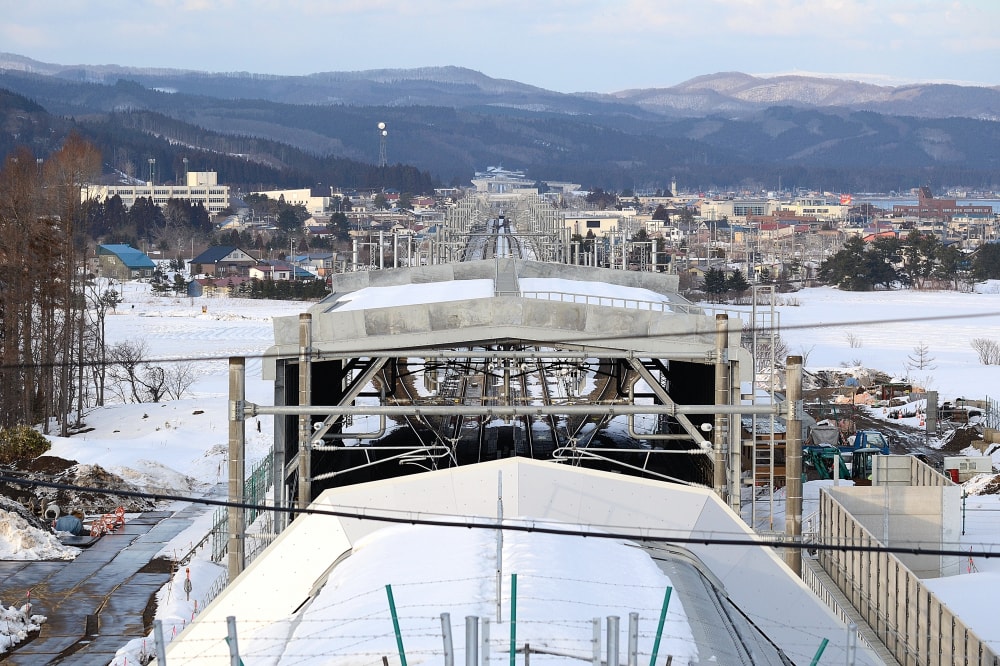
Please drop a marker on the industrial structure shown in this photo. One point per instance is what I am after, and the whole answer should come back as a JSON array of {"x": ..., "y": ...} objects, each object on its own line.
[
  {"x": 458, "y": 362},
  {"x": 594, "y": 395}
]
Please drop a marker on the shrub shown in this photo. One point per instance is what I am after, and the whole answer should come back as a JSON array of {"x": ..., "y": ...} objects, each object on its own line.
[{"x": 21, "y": 443}]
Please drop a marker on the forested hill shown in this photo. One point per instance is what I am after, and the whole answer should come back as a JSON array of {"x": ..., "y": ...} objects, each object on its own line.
[
  {"x": 615, "y": 146},
  {"x": 128, "y": 139}
]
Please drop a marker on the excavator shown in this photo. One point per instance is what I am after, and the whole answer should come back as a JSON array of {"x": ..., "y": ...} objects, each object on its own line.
[{"x": 829, "y": 462}]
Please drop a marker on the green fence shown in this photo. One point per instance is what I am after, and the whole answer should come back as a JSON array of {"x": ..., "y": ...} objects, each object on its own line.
[{"x": 258, "y": 483}]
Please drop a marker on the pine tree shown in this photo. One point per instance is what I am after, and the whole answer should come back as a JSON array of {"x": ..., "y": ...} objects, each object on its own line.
[
  {"x": 736, "y": 283},
  {"x": 715, "y": 283}
]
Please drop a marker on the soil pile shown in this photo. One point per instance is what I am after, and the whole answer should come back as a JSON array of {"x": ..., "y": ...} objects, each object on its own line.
[{"x": 57, "y": 470}]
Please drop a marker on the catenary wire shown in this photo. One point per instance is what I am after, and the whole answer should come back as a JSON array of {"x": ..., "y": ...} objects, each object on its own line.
[
  {"x": 581, "y": 341},
  {"x": 479, "y": 523}
]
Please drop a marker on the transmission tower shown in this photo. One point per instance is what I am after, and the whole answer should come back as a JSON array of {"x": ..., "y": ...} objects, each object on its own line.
[{"x": 382, "y": 134}]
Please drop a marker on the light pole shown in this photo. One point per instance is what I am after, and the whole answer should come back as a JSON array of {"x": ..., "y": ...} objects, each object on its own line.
[{"x": 382, "y": 134}]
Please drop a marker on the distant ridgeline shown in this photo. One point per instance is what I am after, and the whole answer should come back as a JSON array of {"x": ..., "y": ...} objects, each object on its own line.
[{"x": 323, "y": 128}]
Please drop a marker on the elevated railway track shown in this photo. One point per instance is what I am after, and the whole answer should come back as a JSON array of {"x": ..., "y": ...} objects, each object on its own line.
[{"x": 480, "y": 391}]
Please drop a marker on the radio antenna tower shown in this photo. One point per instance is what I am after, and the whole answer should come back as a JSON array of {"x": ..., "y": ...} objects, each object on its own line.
[{"x": 382, "y": 134}]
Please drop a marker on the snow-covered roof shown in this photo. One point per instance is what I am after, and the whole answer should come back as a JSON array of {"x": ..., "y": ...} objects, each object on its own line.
[{"x": 324, "y": 579}]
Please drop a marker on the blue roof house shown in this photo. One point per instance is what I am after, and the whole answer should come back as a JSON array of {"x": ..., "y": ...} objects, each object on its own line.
[{"x": 123, "y": 262}]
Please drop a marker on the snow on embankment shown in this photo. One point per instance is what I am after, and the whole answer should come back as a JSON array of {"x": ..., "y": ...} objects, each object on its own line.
[
  {"x": 16, "y": 624},
  {"x": 21, "y": 541}
]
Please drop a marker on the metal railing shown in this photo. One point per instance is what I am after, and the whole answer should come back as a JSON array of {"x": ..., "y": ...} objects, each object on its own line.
[{"x": 614, "y": 302}]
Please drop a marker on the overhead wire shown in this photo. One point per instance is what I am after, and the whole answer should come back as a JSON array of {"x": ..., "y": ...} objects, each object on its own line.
[
  {"x": 476, "y": 522},
  {"x": 574, "y": 341}
]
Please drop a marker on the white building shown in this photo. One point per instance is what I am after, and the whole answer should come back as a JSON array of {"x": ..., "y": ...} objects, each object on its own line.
[
  {"x": 300, "y": 197},
  {"x": 201, "y": 187},
  {"x": 601, "y": 221}
]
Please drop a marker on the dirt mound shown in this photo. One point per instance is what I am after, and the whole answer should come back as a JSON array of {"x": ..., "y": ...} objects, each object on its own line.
[
  {"x": 95, "y": 476},
  {"x": 57, "y": 470},
  {"x": 47, "y": 465},
  {"x": 13, "y": 506},
  {"x": 960, "y": 439},
  {"x": 992, "y": 488}
]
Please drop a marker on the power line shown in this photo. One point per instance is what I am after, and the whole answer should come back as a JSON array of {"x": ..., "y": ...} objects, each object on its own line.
[
  {"x": 581, "y": 341},
  {"x": 472, "y": 522}
]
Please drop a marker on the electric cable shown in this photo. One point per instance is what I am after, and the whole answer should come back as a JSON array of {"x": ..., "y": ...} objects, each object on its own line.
[{"x": 472, "y": 522}]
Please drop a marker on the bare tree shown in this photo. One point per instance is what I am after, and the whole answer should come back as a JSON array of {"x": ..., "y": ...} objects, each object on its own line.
[
  {"x": 854, "y": 340},
  {"x": 39, "y": 278},
  {"x": 769, "y": 346},
  {"x": 179, "y": 378},
  {"x": 988, "y": 350},
  {"x": 125, "y": 361},
  {"x": 804, "y": 352},
  {"x": 921, "y": 358},
  {"x": 100, "y": 299},
  {"x": 131, "y": 375}
]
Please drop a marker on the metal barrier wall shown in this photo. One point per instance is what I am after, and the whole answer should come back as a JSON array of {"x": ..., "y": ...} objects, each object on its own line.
[
  {"x": 912, "y": 623},
  {"x": 922, "y": 474}
]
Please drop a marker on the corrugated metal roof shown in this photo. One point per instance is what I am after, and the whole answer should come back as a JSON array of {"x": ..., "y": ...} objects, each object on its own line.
[{"x": 131, "y": 257}]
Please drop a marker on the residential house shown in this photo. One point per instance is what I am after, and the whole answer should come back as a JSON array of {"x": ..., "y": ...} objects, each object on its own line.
[
  {"x": 216, "y": 287},
  {"x": 223, "y": 260},
  {"x": 279, "y": 270},
  {"x": 318, "y": 263},
  {"x": 123, "y": 262}
]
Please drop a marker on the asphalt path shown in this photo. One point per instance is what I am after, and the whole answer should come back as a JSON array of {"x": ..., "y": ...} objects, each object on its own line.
[{"x": 94, "y": 604}]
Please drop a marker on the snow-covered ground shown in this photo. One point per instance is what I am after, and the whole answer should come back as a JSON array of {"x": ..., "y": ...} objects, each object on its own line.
[{"x": 181, "y": 445}]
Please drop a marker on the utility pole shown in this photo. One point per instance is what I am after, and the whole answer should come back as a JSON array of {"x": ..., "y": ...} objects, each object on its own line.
[
  {"x": 305, "y": 399},
  {"x": 719, "y": 439},
  {"x": 237, "y": 465},
  {"x": 793, "y": 461}
]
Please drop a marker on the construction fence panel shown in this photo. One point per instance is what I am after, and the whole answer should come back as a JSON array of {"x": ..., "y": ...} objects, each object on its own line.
[
  {"x": 906, "y": 616},
  {"x": 922, "y": 474}
]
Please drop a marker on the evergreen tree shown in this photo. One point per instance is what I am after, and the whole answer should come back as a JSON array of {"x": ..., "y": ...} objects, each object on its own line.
[
  {"x": 986, "y": 262},
  {"x": 737, "y": 283},
  {"x": 715, "y": 283},
  {"x": 859, "y": 267}
]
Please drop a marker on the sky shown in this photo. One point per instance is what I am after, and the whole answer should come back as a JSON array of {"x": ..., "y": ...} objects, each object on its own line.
[
  {"x": 130, "y": 439},
  {"x": 563, "y": 45}
]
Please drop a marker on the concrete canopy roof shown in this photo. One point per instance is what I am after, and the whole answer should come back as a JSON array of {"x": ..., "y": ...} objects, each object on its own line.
[
  {"x": 755, "y": 578},
  {"x": 672, "y": 326}
]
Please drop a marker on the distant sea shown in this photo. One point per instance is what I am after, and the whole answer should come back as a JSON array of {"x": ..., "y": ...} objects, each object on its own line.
[{"x": 889, "y": 203}]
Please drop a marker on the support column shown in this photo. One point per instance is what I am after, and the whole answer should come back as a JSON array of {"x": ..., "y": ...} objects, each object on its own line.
[
  {"x": 721, "y": 398},
  {"x": 793, "y": 460},
  {"x": 237, "y": 465},
  {"x": 305, "y": 399},
  {"x": 735, "y": 439}
]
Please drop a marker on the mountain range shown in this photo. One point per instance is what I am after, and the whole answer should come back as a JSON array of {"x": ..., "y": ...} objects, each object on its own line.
[{"x": 721, "y": 130}]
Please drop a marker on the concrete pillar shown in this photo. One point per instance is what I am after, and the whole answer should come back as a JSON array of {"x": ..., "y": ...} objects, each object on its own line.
[
  {"x": 735, "y": 439},
  {"x": 305, "y": 399},
  {"x": 793, "y": 460},
  {"x": 237, "y": 465},
  {"x": 721, "y": 398}
]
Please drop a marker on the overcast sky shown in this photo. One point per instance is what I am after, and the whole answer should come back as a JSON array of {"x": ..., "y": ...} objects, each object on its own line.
[{"x": 564, "y": 45}]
